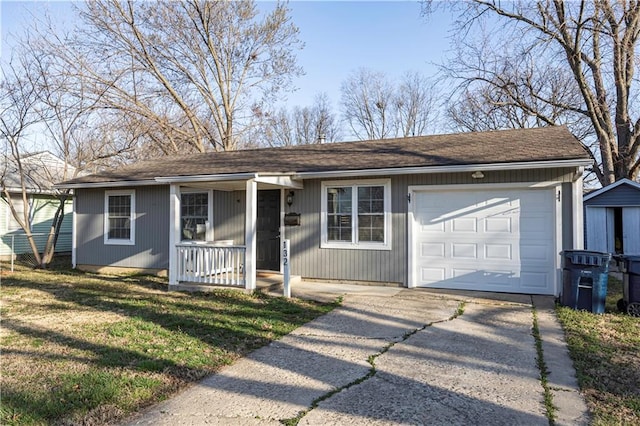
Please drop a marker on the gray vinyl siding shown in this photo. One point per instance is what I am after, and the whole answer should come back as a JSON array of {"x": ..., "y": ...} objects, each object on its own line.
[
  {"x": 228, "y": 216},
  {"x": 621, "y": 196},
  {"x": 391, "y": 266},
  {"x": 307, "y": 258},
  {"x": 151, "y": 249},
  {"x": 567, "y": 216}
]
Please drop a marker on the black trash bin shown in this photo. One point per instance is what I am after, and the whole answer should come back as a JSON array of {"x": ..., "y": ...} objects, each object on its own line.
[
  {"x": 630, "y": 266},
  {"x": 585, "y": 275}
]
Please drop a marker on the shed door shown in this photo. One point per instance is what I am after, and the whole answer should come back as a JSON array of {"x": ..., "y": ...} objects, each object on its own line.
[
  {"x": 490, "y": 240},
  {"x": 631, "y": 230},
  {"x": 600, "y": 229}
]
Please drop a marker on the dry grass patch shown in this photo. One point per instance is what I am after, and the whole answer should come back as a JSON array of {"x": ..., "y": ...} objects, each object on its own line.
[
  {"x": 606, "y": 353},
  {"x": 87, "y": 349}
]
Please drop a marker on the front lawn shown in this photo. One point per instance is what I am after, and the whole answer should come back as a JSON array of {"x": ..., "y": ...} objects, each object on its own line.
[
  {"x": 606, "y": 354},
  {"x": 88, "y": 349}
]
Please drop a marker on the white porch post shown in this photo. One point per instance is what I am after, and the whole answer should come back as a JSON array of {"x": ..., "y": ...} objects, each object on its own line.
[
  {"x": 578, "y": 212},
  {"x": 251, "y": 214},
  {"x": 174, "y": 232},
  {"x": 74, "y": 234}
]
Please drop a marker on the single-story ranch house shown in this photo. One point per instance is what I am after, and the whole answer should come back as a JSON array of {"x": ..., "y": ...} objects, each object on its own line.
[{"x": 482, "y": 211}]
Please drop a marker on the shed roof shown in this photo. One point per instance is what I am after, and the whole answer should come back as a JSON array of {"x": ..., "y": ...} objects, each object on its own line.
[
  {"x": 616, "y": 186},
  {"x": 494, "y": 147}
]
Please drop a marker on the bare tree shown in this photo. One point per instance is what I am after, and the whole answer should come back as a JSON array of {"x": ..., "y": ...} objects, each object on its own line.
[
  {"x": 415, "y": 104},
  {"x": 376, "y": 108},
  {"x": 187, "y": 73},
  {"x": 302, "y": 125},
  {"x": 563, "y": 62},
  {"x": 367, "y": 104},
  {"x": 18, "y": 99},
  {"x": 40, "y": 96}
]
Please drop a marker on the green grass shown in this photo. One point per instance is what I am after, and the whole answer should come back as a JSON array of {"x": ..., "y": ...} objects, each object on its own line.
[
  {"x": 82, "y": 348},
  {"x": 606, "y": 353}
]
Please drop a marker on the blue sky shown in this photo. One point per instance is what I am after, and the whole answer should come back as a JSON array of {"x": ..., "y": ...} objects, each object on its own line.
[{"x": 339, "y": 38}]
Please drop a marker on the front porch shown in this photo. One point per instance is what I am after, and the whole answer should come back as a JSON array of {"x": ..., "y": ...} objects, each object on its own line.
[
  {"x": 215, "y": 240},
  {"x": 266, "y": 281}
]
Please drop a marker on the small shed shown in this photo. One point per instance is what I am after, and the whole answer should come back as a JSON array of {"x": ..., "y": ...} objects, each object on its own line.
[{"x": 612, "y": 218}]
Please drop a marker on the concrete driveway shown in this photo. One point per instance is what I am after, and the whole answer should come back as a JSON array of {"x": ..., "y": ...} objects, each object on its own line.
[{"x": 394, "y": 356}]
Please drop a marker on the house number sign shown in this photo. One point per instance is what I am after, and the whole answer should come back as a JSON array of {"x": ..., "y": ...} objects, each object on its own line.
[{"x": 285, "y": 265}]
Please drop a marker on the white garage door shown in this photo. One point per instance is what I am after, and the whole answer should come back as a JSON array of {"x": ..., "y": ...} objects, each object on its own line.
[{"x": 490, "y": 240}]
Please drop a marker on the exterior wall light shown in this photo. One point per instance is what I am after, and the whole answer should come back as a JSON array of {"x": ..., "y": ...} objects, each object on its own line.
[
  {"x": 477, "y": 175},
  {"x": 290, "y": 198}
]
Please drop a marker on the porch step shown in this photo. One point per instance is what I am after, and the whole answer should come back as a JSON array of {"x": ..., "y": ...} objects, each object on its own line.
[{"x": 269, "y": 280}]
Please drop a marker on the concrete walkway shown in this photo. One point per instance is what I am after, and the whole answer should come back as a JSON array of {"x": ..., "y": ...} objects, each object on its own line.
[{"x": 394, "y": 356}]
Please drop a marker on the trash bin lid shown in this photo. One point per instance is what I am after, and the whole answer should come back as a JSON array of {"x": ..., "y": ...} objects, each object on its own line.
[{"x": 587, "y": 257}]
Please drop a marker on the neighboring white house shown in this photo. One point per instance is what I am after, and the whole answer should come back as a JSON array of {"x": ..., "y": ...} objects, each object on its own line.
[{"x": 42, "y": 170}]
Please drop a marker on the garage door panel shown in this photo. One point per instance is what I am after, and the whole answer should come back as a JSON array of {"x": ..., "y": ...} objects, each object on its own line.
[
  {"x": 432, "y": 275},
  {"x": 492, "y": 240},
  {"x": 464, "y": 224},
  {"x": 432, "y": 250},
  {"x": 437, "y": 227},
  {"x": 498, "y": 225},
  {"x": 498, "y": 251},
  {"x": 464, "y": 251},
  {"x": 534, "y": 281},
  {"x": 535, "y": 252}
]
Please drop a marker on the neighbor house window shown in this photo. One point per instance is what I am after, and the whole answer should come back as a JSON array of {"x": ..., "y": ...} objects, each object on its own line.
[
  {"x": 18, "y": 204},
  {"x": 119, "y": 222},
  {"x": 356, "y": 214},
  {"x": 194, "y": 215}
]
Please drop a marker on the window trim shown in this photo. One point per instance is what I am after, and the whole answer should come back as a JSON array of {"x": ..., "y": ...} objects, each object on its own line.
[
  {"x": 209, "y": 222},
  {"x": 10, "y": 220},
  {"x": 132, "y": 218},
  {"x": 354, "y": 244}
]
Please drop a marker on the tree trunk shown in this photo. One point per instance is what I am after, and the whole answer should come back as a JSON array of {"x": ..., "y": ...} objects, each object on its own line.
[{"x": 54, "y": 233}]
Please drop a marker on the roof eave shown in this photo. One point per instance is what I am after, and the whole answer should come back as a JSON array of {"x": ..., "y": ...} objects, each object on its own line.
[
  {"x": 333, "y": 173},
  {"x": 447, "y": 169},
  {"x": 106, "y": 184}
]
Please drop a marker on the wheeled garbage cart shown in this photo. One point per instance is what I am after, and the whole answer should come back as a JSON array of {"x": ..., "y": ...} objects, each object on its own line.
[
  {"x": 585, "y": 275},
  {"x": 630, "y": 267}
]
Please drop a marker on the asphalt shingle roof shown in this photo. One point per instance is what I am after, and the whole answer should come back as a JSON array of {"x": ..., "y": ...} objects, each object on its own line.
[{"x": 504, "y": 146}]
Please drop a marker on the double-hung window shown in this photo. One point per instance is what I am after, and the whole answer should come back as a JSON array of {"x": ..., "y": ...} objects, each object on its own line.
[
  {"x": 194, "y": 216},
  {"x": 119, "y": 222},
  {"x": 356, "y": 214},
  {"x": 18, "y": 205}
]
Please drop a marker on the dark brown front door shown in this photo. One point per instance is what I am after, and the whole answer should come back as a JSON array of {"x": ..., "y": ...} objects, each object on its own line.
[{"x": 268, "y": 230}]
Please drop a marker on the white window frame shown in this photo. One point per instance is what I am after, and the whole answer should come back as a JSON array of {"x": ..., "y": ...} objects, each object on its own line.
[
  {"x": 132, "y": 218},
  {"x": 354, "y": 244},
  {"x": 209, "y": 222},
  {"x": 12, "y": 223}
]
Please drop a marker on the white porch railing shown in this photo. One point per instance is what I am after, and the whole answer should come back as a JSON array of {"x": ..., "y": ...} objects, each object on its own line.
[{"x": 211, "y": 264}]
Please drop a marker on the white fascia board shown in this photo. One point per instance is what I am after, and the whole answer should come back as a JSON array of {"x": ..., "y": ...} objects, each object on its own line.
[
  {"x": 284, "y": 181},
  {"x": 206, "y": 178},
  {"x": 445, "y": 169},
  {"x": 32, "y": 191},
  {"x": 112, "y": 184}
]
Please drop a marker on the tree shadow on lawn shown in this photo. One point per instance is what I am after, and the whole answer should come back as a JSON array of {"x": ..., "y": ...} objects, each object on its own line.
[{"x": 213, "y": 328}]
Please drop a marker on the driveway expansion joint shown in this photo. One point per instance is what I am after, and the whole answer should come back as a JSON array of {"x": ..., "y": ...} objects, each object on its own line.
[{"x": 371, "y": 360}]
